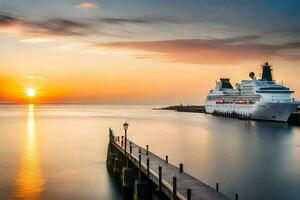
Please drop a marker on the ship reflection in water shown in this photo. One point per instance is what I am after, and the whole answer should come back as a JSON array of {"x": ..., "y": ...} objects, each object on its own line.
[{"x": 30, "y": 182}]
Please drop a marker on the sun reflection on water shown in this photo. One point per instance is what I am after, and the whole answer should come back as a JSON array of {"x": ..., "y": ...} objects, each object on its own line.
[{"x": 30, "y": 182}]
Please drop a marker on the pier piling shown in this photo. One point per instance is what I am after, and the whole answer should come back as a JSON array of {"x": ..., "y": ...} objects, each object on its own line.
[
  {"x": 118, "y": 167},
  {"x": 189, "y": 194},
  {"x": 140, "y": 166},
  {"x": 236, "y": 196},
  {"x": 167, "y": 159},
  {"x": 147, "y": 150},
  {"x": 174, "y": 188},
  {"x": 141, "y": 190},
  {"x": 159, "y": 178},
  {"x": 217, "y": 187},
  {"x": 130, "y": 148},
  {"x": 111, "y": 160},
  {"x": 148, "y": 166},
  {"x": 128, "y": 182},
  {"x": 181, "y": 168}
]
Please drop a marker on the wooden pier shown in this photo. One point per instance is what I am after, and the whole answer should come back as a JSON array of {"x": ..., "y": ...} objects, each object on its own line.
[{"x": 170, "y": 180}]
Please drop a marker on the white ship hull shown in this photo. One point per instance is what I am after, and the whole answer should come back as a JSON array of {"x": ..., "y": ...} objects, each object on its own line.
[
  {"x": 274, "y": 111},
  {"x": 259, "y": 111}
]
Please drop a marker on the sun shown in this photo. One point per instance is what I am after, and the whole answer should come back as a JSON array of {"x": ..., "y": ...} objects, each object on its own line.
[{"x": 30, "y": 92}]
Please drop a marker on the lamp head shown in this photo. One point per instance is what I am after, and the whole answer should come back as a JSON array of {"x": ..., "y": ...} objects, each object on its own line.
[{"x": 125, "y": 125}]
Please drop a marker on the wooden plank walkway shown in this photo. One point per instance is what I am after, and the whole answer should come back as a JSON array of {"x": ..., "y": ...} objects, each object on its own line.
[{"x": 184, "y": 181}]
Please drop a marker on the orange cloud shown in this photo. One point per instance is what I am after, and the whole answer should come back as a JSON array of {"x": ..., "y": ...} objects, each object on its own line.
[
  {"x": 214, "y": 51},
  {"x": 8, "y": 21},
  {"x": 87, "y": 5}
]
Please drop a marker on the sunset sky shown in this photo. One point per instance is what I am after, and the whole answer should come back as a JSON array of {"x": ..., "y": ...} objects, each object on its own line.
[{"x": 142, "y": 51}]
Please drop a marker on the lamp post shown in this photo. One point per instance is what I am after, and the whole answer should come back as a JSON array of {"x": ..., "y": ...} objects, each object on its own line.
[{"x": 125, "y": 125}]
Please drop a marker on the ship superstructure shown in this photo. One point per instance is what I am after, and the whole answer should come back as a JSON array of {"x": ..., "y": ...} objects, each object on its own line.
[{"x": 261, "y": 99}]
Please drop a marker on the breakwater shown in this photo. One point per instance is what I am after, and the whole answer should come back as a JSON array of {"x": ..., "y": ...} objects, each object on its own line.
[
  {"x": 144, "y": 175},
  {"x": 184, "y": 108}
]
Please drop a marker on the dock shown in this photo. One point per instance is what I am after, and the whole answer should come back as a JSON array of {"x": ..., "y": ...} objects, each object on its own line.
[{"x": 172, "y": 181}]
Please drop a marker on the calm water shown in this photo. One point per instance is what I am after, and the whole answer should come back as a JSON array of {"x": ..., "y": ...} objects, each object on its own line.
[{"x": 59, "y": 152}]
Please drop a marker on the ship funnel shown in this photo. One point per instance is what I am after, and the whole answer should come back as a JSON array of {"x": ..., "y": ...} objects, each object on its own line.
[
  {"x": 225, "y": 83},
  {"x": 252, "y": 75},
  {"x": 267, "y": 72}
]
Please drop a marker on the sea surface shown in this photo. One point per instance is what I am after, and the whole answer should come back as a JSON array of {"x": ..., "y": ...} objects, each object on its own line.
[{"x": 59, "y": 151}]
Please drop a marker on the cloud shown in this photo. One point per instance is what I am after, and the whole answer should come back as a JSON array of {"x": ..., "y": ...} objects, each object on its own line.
[
  {"x": 213, "y": 51},
  {"x": 9, "y": 21},
  {"x": 45, "y": 30},
  {"x": 295, "y": 31},
  {"x": 86, "y": 6},
  {"x": 36, "y": 40},
  {"x": 58, "y": 27},
  {"x": 37, "y": 31},
  {"x": 35, "y": 78},
  {"x": 139, "y": 20}
]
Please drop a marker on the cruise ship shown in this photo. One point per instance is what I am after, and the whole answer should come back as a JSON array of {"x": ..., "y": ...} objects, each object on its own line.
[{"x": 259, "y": 99}]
